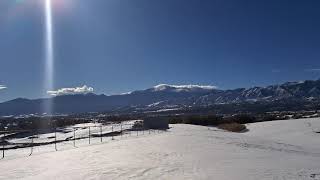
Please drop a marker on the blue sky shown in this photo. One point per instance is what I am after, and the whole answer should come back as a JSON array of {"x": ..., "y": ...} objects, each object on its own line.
[{"x": 117, "y": 46}]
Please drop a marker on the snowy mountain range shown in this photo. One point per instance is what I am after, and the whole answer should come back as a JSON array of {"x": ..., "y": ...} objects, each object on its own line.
[{"x": 166, "y": 96}]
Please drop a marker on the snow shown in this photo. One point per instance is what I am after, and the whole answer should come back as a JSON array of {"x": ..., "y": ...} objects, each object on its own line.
[
  {"x": 155, "y": 104},
  {"x": 168, "y": 109},
  {"x": 269, "y": 150},
  {"x": 301, "y": 133},
  {"x": 82, "y": 130},
  {"x": 187, "y": 88}
]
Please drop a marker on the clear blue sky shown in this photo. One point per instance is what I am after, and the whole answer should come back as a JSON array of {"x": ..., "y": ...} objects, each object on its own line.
[{"x": 117, "y": 46}]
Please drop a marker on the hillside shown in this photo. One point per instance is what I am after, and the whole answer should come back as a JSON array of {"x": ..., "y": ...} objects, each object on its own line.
[{"x": 270, "y": 150}]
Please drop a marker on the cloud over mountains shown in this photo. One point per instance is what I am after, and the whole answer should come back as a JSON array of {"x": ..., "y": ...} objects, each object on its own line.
[
  {"x": 162, "y": 87},
  {"x": 3, "y": 87},
  {"x": 71, "y": 91}
]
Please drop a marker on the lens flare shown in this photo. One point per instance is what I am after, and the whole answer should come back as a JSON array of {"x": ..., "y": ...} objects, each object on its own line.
[{"x": 49, "y": 53}]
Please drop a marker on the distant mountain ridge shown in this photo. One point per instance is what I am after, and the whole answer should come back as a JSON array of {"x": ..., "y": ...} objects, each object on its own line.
[{"x": 165, "y": 96}]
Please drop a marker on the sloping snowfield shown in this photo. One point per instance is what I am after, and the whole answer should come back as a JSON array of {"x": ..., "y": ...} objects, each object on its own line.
[{"x": 270, "y": 150}]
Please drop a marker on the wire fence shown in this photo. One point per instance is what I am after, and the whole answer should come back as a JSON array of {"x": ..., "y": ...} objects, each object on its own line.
[{"x": 29, "y": 142}]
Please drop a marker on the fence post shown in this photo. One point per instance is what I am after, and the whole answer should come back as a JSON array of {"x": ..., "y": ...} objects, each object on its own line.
[
  {"x": 74, "y": 137},
  {"x": 121, "y": 127},
  {"x": 55, "y": 139},
  {"x": 31, "y": 145},
  {"x": 4, "y": 135},
  {"x": 101, "y": 133},
  {"x": 89, "y": 134},
  {"x": 112, "y": 132}
]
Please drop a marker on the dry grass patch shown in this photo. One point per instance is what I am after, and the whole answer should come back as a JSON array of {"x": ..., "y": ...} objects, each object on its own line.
[{"x": 233, "y": 127}]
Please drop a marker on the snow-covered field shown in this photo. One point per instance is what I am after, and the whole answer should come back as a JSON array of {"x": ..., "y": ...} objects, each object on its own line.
[
  {"x": 81, "y": 132},
  {"x": 270, "y": 150}
]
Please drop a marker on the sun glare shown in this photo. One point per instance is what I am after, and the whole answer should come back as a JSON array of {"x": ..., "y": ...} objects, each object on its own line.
[{"x": 49, "y": 52}]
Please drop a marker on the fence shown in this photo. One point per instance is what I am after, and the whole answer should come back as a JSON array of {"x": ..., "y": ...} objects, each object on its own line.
[{"x": 17, "y": 143}]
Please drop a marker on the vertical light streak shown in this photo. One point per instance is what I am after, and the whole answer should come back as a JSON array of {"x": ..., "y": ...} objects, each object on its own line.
[{"x": 49, "y": 53}]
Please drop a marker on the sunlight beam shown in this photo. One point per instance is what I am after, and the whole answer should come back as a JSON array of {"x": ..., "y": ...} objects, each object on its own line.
[{"x": 49, "y": 53}]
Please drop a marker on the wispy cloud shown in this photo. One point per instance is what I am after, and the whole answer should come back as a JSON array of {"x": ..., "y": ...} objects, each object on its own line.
[
  {"x": 71, "y": 91},
  {"x": 313, "y": 70},
  {"x": 3, "y": 87}
]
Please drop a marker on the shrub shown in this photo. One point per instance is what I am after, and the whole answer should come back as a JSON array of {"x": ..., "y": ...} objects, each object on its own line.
[
  {"x": 176, "y": 120},
  {"x": 138, "y": 125},
  {"x": 209, "y": 120}
]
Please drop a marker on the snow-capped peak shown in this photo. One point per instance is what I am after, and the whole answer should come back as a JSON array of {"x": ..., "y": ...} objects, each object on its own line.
[{"x": 178, "y": 88}]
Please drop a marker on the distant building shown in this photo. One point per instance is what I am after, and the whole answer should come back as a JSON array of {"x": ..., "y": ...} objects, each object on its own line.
[{"x": 156, "y": 123}]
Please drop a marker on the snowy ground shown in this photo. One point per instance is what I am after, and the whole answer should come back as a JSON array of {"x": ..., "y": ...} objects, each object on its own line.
[{"x": 270, "y": 150}]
